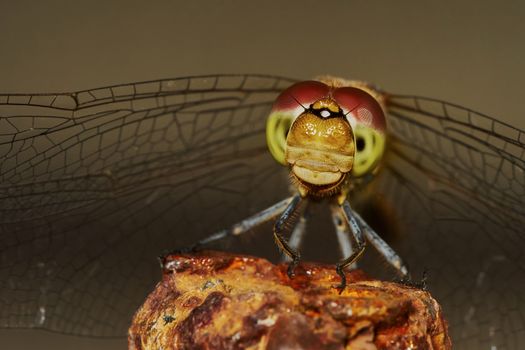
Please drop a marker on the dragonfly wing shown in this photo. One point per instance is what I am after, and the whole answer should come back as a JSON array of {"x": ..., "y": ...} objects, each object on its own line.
[
  {"x": 457, "y": 180},
  {"x": 96, "y": 184}
]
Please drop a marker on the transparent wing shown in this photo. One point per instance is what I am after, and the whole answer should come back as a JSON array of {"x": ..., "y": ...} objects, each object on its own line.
[
  {"x": 457, "y": 181},
  {"x": 96, "y": 184}
]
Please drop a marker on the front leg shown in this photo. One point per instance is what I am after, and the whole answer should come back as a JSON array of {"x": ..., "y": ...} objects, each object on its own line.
[
  {"x": 239, "y": 228},
  {"x": 288, "y": 217},
  {"x": 296, "y": 238},
  {"x": 384, "y": 249}
]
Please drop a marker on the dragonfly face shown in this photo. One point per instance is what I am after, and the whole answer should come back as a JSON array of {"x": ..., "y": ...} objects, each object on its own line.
[
  {"x": 95, "y": 184},
  {"x": 320, "y": 144},
  {"x": 320, "y": 147}
]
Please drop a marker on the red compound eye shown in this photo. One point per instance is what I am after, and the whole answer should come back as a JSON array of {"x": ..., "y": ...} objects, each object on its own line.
[
  {"x": 363, "y": 107},
  {"x": 304, "y": 93}
]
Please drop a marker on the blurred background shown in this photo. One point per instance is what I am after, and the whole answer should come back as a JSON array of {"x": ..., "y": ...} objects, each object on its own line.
[{"x": 469, "y": 52}]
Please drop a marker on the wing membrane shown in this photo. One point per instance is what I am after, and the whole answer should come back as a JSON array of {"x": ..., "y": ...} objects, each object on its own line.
[
  {"x": 95, "y": 184},
  {"x": 458, "y": 180}
]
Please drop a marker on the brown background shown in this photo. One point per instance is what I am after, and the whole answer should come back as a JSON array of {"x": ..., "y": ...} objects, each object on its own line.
[{"x": 471, "y": 52}]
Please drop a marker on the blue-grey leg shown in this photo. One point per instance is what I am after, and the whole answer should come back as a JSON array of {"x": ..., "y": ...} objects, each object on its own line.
[
  {"x": 296, "y": 238},
  {"x": 382, "y": 247},
  {"x": 343, "y": 233},
  {"x": 286, "y": 218},
  {"x": 247, "y": 224},
  {"x": 360, "y": 242}
]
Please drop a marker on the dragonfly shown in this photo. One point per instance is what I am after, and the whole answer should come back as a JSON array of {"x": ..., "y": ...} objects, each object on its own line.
[{"x": 95, "y": 184}]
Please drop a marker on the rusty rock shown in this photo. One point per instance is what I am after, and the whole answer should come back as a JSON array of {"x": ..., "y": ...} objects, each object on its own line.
[{"x": 217, "y": 300}]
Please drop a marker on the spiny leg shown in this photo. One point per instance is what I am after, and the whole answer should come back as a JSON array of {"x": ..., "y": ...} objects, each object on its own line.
[
  {"x": 357, "y": 234},
  {"x": 383, "y": 248},
  {"x": 296, "y": 238},
  {"x": 244, "y": 225},
  {"x": 287, "y": 217}
]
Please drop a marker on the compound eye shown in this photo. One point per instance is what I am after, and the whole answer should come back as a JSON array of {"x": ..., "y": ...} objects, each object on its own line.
[
  {"x": 368, "y": 121},
  {"x": 301, "y": 94},
  {"x": 360, "y": 108},
  {"x": 288, "y": 106}
]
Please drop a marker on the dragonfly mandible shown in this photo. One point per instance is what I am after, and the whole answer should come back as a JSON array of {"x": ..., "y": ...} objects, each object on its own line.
[{"x": 96, "y": 183}]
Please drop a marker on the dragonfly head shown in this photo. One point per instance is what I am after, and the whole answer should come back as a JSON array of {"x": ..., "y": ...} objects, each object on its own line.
[
  {"x": 326, "y": 130},
  {"x": 320, "y": 145}
]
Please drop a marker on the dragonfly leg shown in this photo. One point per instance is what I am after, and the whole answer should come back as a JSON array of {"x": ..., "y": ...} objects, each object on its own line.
[
  {"x": 242, "y": 226},
  {"x": 286, "y": 217},
  {"x": 359, "y": 239},
  {"x": 383, "y": 248},
  {"x": 343, "y": 233},
  {"x": 296, "y": 238}
]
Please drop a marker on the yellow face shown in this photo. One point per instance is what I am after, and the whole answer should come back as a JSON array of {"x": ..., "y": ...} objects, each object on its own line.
[
  {"x": 320, "y": 145},
  {"x": 327, "y": 131}
]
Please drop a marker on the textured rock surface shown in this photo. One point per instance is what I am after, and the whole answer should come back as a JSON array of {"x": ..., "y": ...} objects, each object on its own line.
[{"x": 221, "y": 301}]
